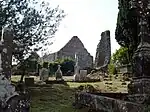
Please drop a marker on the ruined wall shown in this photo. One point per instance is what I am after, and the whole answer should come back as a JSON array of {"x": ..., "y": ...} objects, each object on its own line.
[
  {"x": 103, "y": 52},
  {"x": 74, "y": 46},
  {"x": 50, "y": 58}
]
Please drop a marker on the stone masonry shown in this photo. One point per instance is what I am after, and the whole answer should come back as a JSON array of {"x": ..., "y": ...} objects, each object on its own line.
[
  {"x": 74, "y": 46},
  {"x": 103, "y": 51}
]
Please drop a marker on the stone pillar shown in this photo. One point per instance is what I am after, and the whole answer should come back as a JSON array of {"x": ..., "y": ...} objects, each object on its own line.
[
  {"x": 140, "y": 86},
  {"x": 76, "y": 68},
  {"x": 7, "y": 53},
  {"x": 10, "y": 100},
  {"x": 6, "y": 44}
]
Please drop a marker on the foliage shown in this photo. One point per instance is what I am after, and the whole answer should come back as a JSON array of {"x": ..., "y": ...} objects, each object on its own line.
[
  {"x": 32, "y": 62},
  {"x": 126, "y": 30},
  {"x": 67, "y": 66},
  {"x": 29, "y": 64},
  {"x": 120, "y": 57},
  {"x": 147, "y": 108},
  {"x": 39, "y": 66},
  {"x": 31, "y": 22},
  {"x": 53, "y": 67},
  {"x": 112, "y": 69},
  {"x": 45, "y": 65}
]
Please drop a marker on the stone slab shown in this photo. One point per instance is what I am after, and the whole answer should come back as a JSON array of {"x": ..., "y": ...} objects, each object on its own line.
[{"x": 106, "y": 104}]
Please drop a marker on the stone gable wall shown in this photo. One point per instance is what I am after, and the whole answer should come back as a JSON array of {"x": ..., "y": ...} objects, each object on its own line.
[{"x": 74, "y": 46}]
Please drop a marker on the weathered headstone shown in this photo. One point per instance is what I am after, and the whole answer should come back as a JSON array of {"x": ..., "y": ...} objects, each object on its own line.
[
  {"x": 58, "y": 74},
  {"x": 83, "y": 74},
  {"x": 44, "y": 74},
  {"x": 9, "y": 98},
  {"x": 79, "y": 75},
  {"x": 76, "y": 69}
]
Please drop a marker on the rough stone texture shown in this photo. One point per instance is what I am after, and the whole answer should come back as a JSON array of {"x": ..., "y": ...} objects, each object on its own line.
[
  {"x": 10, "y": 100},
  {"x": 96, "y": 76},
  {"x": 103, "y": 52},
  {"x": 6, "y": 90},
  {"x": 103, "y": 55},
  {"x": 58, "y": 73},
  {"x": 83, "y": 74},
  {"x": 6, "y": 53},
  {"x": 49, "y": 57},
  {"x": 106, "y": 104},
  {"x": 139, "y": 87},
  {"x": 74, "y": 46},
  {"x": 76, "y": 69},
  {"x": 44, "y": 74}
]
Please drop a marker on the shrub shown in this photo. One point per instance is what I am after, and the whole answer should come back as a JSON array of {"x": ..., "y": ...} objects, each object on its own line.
[
  {"x": 45, "y": 65},
  {"x": 112, "y": 69},
  {"x": 67, "y": 66}
]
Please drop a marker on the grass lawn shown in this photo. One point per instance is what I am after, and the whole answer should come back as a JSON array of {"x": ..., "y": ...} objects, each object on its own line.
[{"x": 59, "y": 97}]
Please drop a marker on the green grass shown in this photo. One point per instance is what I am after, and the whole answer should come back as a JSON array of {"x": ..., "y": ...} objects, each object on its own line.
[
  {"x": 59, "y": 97},
  {"x": 56, "y": 98},
  {"x": 15, "y": 78}
]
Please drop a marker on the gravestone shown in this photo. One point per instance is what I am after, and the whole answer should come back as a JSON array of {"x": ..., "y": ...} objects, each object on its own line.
[
  {"x": 9, "y": 98},
  {"x": 79, "y": 75},
  {"x": 44, "y": 74},
  {"x": 76, "y": 68},
  {"x": 83, "y": 74},
  {"x": 58, "y": 74}
]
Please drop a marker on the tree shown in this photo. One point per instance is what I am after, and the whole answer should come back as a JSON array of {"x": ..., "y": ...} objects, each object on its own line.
[
  {"x": 45, "y": 65},
  {"x": 31, "y": 22},
  {"x": 120, "y": 57},
  {"x": 32, "y": 62},
  {"x": 126, "y": 29},
  {"x": 53, "y": 67},
  {"x": 29, "y": 64},
  {"x": 112, "y": 68},
  {"x": 67, "y": 65}
]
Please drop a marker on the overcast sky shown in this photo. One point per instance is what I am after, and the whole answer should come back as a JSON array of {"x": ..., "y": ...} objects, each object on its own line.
[{"x": 86, "y": 19}]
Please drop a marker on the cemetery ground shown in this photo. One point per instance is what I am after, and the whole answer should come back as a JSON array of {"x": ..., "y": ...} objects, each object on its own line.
[{"x": 59, "y": 97}]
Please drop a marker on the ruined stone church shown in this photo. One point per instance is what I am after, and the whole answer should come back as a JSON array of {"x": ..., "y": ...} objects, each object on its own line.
[{"x": 74, "y": 46}]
